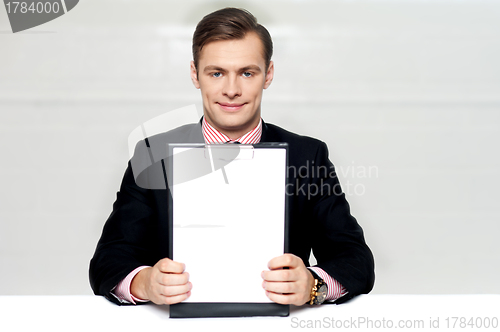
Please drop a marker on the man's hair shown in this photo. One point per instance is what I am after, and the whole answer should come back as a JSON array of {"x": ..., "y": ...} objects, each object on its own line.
[{"x": 226, "y": 24}]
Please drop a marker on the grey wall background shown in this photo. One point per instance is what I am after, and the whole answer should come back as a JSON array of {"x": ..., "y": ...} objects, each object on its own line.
[{"x": 407, "y": 91}]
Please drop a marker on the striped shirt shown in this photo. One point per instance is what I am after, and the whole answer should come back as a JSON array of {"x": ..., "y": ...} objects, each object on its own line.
[{"x": 213, "y": 136}]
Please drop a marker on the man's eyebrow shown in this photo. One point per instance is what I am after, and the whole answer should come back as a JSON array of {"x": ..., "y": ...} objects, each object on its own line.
[
  {"x": 251, "y": 67},
  {"x": 212, "y": 67}
]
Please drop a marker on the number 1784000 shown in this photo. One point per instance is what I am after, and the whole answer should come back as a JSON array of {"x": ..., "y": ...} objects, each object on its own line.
[{"x": 35, "y": 7}]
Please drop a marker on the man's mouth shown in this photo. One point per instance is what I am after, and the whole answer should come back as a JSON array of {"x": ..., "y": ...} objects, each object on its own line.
[{"x": 230, "y": 106}]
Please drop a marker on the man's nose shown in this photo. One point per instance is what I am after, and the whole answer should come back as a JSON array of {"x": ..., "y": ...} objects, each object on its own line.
[{"x": 232, "y": 87}]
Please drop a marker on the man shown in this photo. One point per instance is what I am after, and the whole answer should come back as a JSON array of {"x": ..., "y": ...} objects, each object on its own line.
[{"x": 232, "y": 66}]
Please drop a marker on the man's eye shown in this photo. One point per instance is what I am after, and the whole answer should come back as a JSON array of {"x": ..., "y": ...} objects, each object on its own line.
[
  {"x": 247, "y": 74},
  {"x": 216, "y": 74}
]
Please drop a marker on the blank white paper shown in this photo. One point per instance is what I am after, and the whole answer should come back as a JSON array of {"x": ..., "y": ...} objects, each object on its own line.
[{"x": 226, "y": 233}]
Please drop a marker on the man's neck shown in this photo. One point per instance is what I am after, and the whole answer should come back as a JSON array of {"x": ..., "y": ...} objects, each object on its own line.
[
  {"x": 236, "y": 133},
  {"x": 213, "y": 136}
]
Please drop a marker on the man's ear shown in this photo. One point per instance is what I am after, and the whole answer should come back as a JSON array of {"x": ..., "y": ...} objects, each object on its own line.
[
  {"x": 194, "y": 76},
  {"x": 269, "y": 75}
]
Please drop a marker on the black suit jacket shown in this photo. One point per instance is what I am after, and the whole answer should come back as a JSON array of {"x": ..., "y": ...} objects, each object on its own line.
[{"x": 136, "y": 233}]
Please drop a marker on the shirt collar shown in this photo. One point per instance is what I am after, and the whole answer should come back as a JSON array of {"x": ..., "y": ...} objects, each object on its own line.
[{"x": 213, "y": 136}]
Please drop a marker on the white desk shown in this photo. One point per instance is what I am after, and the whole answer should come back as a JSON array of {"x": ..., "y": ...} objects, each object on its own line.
[{"x": 92, "y": 313}]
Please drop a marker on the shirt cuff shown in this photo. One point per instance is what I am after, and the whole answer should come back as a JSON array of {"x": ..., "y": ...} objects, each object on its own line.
[
  {"x": 122, "y": 290},
  {"x": 335, "y": 289}
]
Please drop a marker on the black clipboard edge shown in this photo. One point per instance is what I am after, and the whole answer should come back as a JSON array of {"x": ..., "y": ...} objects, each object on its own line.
[{"x": 204, "y": 310}]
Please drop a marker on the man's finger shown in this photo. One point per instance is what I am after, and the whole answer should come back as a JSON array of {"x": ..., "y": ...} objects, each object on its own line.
[
  {"x": 283, "y": 298},
  {"x": 175, "y": 290},
  {"x": 279, "y": 275},
  {"x": 172, "y": 279},
  {"x": 286, "y": 260},
  {"x": 167, "y": 265},
  {"x": 161, "y": 299},
  {"x": 280, "y": 287}
]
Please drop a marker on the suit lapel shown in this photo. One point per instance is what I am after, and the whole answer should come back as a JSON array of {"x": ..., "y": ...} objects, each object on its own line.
[
  {"x": 196, "y": 134},
  {"x": 267, "y": 134}
]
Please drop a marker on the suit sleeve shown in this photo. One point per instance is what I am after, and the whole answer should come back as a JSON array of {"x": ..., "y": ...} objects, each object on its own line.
[
  {"x": 339, "y": 246},
  {"x": 127, "y": 239}
]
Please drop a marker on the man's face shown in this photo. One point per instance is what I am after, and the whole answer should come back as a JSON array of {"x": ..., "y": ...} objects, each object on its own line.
[{"x": 231, "y": 76}]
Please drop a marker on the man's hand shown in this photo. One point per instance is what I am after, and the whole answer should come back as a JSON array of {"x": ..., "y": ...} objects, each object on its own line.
[
  {"x": 164, "y": 283},
  {"x": 290, "y": 286}
]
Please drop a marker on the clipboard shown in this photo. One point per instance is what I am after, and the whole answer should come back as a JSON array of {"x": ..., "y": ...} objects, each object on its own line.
[{"x": 228, "y": 218}]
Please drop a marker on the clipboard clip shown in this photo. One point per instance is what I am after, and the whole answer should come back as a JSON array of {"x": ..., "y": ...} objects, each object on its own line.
[{"x": 229, "y": 152}]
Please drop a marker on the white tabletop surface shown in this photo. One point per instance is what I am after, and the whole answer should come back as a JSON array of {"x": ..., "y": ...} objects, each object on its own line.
[{"x": 366, "y": 312}]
